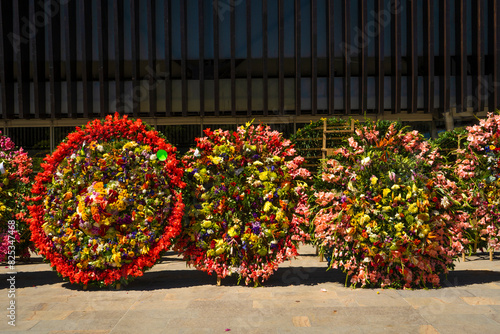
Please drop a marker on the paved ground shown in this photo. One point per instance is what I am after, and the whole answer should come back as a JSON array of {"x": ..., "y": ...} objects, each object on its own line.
[{"x": 300, "y": 298}]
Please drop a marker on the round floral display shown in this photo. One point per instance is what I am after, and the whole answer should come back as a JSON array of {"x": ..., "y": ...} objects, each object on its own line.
[
  {"x": 15, "y": 178},
  {"x": 248, "y": 203},
  {"x": 107, "y": 206},
  {"x": 381, "y": 212}
]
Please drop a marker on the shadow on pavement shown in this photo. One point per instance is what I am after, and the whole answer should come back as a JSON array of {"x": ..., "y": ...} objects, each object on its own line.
[
  {"x": 469, "y": 277},
  {"x": 285, "y": 276}
]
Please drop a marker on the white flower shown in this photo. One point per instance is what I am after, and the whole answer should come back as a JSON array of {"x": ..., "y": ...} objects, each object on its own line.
[
  {"x": 2, "y": 169},
  {"x": 152, "y": 157},
  {"x": 100, "y": 148},
  {"x": 365, "y": 161},
  {"x": 444, "y": 202},
  {"x": 197, "y": 153}
]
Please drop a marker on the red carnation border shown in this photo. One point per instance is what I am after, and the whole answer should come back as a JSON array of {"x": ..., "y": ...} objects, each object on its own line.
[{"x": 112, "y": 127}]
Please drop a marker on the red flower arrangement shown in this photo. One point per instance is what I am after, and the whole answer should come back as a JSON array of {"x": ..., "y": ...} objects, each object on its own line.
[{"x": 96, "y": 216}]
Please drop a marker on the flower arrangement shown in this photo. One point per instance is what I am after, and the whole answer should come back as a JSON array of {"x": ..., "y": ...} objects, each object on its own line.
[
  {"x": 248, "y": 203},
  {"x": 15, "y": 179},
  {"x": 108, "y": 202},
  {"x": 381, "y": 211},
  {"x": 477, "y": 170}
]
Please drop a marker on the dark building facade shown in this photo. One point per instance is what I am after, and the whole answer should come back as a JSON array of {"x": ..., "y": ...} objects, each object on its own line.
[{"x": 183, "y": 65}]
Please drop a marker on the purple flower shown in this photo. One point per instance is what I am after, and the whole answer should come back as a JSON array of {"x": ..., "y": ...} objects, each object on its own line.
[{"x": 256, "y": 227}]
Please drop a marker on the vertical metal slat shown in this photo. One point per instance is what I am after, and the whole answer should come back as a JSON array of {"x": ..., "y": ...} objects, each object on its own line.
[
  {"x": 184, "y": 82},
  {"x": 168, "y": 58},
  {"x": 38, "y": 58},
  {"x": 249, "y": 56},
  {"x": 201, "y": 61},
  {"x": 21, "y": 51},
  {"x": 396, "y": 61},
  {"x": 102, "y": 33},
  {"x": 70, "y": 51},
  {"x": 87, "y": 78},
  {"x": 119, "y": 52},
  {"x": 461, "y": 54},
  {"x": 412, "y": 54},
  {"x": 445, "y": 56},
  {"x": 54, "y": 45},
  {"x": 494, "y": 45},
  {"x": 232, "y": 29},
  {"x": 281, "y": 56},
  {"x": 380, "y": 84},
  {"x": 216, "y": 57},
  {"x": 135, "y": 43},
  {"x": 429, "y": 56},
  {"x": 265, "y": 86},
  {"x": 346, "y": 24},
  {"x": 331, "y": 55},
  {"x": 363, "y": 76},
  {"x": 298, "y": 56},
  {"x": 314, "y": 60}
]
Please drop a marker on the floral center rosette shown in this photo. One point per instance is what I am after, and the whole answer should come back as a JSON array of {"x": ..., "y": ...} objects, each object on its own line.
[
  {"x": 248, "y": 203},
  {"x": 382, "y": 214},
  {"x": 478, "y": 171},
  {"x": 15, "y": 179},
  {"x": 107, "y": 206}
]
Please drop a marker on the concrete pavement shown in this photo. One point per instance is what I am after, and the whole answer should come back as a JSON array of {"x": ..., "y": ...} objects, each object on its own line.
[{"x": 300, "y": 298}]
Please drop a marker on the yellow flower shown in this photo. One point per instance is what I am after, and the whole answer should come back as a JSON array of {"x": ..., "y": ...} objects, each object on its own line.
[
  {"x": 216, "y": 160},
  {"x": 374, "y": 180},
  {"x": 121, "y": 205},
  {"x": 386, "y": 192},
  {"x": 413, "y": 208},
  {"x": 399, "y": 226},
  {"x": 365, "y": 219},
  {"x": 280, "y": 215},
  {"x": 268, "y": 206},
  {"x": 117, "y": 257},
  {"x": 129, "y": 145}
]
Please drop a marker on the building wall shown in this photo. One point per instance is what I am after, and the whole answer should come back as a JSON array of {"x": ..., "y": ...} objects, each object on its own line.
[{"x": 226, "y": 61}]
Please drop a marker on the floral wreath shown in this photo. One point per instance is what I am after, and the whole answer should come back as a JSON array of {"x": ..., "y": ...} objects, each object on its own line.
[
  {"x": 108, "y": 202},
  {"x": 382, "y": 212},
  {"x": 248, "y": 203}
]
